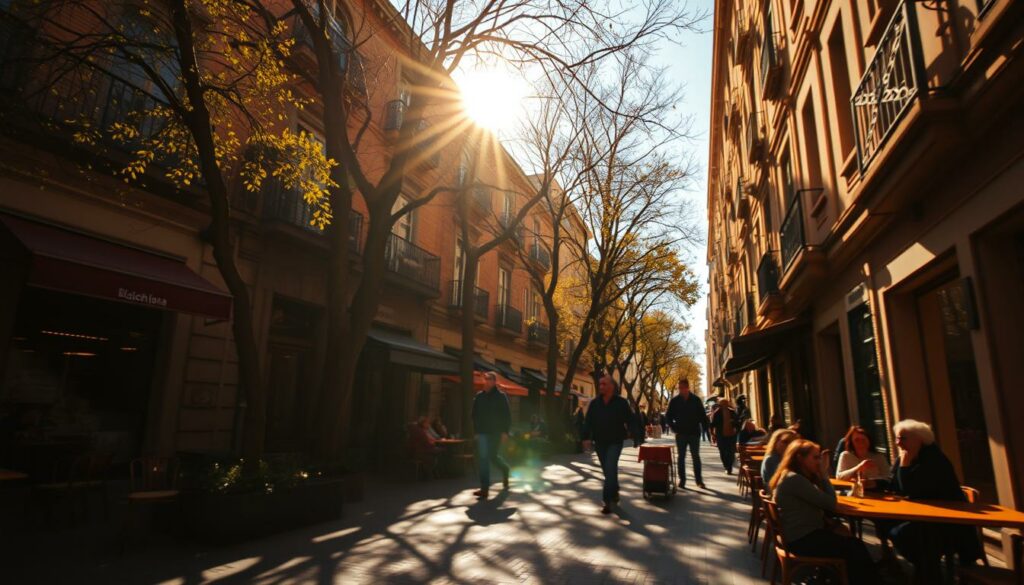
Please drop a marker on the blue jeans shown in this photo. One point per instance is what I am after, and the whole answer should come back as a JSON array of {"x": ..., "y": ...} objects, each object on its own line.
[
  {"x": 487, "y": 452},
  {"x": 608, "y": 455},
  {"x": 693, "y": 443}
]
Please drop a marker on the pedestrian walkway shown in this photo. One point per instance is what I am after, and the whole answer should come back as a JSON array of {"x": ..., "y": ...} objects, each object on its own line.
[{"x": 547, "y": 529}]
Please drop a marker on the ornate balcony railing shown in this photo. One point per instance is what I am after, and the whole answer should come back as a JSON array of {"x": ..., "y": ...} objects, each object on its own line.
[
  {"x": 537, "y": 333},
  {"x": 540, "y": 255},
  {"x": 482, "y": 301},
  {"x": 891, "y": 83},
  {"x": 792, "y": 232},
  {"x": 509, "y": 318},
  {"x": 412, "y": 262},
  {"x": 767, "y": 276}
]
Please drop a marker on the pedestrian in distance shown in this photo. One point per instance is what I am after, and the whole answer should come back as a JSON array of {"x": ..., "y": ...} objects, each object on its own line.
[
  {"x": 492, "y": 419},
  {"x": 687, "y": 418},
  {"x": 605, "y": 428},
  {"x": 725, "y": 426}
]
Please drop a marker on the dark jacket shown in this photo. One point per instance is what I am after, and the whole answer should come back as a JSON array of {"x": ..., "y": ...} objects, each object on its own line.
[
  {"x": 931, "y": 477},
  {"x": 686, "y": 417},
  {"x": 718, "y": 422},
  {"x": 491, "y": 413},
  {"x": 607, "y": 423}
]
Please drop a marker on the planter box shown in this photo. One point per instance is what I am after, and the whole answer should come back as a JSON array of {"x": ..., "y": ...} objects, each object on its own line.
[
  {"x": 232, "y": 517},
  {"x": 354, "y": 486}
]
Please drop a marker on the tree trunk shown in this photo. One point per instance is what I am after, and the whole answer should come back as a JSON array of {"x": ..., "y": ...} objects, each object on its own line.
[
  {"x": 250, "y": 381},
  {"x": 468, "y": 293}
]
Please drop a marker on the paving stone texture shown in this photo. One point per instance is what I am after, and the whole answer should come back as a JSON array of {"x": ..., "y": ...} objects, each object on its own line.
[{"x": 546, "y": 529}]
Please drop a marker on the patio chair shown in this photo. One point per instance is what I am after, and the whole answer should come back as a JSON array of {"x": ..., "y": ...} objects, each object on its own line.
[
  {"x": 972, "y": 496},
  {"x": 153, "y": 481},
  {"x": 791, "y": 563},
  {"x": 756, "y": 511}
]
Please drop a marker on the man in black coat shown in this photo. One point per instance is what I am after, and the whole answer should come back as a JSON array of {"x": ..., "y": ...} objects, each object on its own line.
[
  {"x": 608, "y": 420},
  {"x": 687, "y": 419},
  {"x": 492, "y": 418}
]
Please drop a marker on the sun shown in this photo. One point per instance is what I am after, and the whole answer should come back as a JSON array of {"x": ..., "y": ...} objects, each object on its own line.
[{"x": 492, "y": 97}]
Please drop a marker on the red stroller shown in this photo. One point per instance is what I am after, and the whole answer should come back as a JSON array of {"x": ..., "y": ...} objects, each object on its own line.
[{"x": 659, "y": 472}]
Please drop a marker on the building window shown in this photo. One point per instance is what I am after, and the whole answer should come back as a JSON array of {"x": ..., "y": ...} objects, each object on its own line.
[
  {"x": 841, "y": 88},
  {"x": 786, "y": 168},
  {"x": 868, "y": 385},
  {"x": 405, "y": 226},
  {"x": 811, "y": 153},
  {"x": 504, "y": 286},
  {"x": 508, "y": 207},
  {"x": 459, "y": 267}
]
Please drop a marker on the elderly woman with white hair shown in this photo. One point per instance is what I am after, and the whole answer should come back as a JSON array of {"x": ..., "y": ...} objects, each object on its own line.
[{"x": 923, "y": 472}]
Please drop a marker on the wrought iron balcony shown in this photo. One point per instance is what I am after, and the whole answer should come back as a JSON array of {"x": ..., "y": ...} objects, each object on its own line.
[
  {"x": 540, "y": 255},
  {"x": 892, "y": 81},
  {"x": 537, "y": 333},
  {"x": 481, "y": 304},
  {"x": 767, "y": 276},
  {"x": 508, "y": 318},
  {"x": 413, "y": 263},
  {"x": 792, "y": 232}
]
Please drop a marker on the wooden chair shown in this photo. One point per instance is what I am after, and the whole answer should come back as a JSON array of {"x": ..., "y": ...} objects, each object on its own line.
[
  {"x": 972, "y": 496},
  {"x": 768, "y": 543},
  {"x": 790, "y": 562},
  {"x": 756, "y": 511},
  {"x": 986, "y": 575},
  {"x": 153, "y": 480}
]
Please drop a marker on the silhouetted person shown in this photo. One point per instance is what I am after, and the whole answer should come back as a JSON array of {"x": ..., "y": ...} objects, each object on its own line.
[
  {"x": 607, "y": 422},
  {"x": 492, "y": 418},
  {"x": 686, "y": 417}
]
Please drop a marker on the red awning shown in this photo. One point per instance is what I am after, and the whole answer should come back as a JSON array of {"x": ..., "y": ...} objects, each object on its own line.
[
  {"x": 507, "y": 386},
  {"x": 71, "y": 262}
]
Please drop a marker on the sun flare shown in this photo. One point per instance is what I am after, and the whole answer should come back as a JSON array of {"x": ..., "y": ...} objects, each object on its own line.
[{"x": 492, "y": 98}]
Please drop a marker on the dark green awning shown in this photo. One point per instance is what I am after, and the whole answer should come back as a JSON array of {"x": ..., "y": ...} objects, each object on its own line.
[{"x": 405, "y": 351}]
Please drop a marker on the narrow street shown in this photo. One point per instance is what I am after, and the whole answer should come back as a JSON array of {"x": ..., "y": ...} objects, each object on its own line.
[{"x": 547, "y": 529}]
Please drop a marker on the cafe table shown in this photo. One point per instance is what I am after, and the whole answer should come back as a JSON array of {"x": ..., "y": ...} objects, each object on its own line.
[{"x": 890, "y": 507}]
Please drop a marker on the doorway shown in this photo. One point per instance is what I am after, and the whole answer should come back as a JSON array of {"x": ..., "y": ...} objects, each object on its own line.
[{"x": 945, "y": 314}]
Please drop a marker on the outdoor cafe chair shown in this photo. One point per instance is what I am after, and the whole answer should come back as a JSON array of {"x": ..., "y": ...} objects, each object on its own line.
[
  {"x": 153, "y": 480},
  {"x": 792, "y": 564}
]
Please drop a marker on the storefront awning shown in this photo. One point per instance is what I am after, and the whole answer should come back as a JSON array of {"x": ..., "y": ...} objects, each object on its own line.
[
  {"x": 509, "y": 373},
  {"x": 420, "y": 357},
  {"x": 71, "y": 262},
  {"x": 751, "y": 351},
  {"x": 507, "y": 386}
]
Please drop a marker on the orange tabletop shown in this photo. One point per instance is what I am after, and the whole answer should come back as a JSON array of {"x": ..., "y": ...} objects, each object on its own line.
[
  {"x": 840, "y": 483},
  {"x": 450, "y": 441},
  {"x": 9, "y": 475},
  {"x": 894, "y": 508},
  {"x": 757, "y": 458}
]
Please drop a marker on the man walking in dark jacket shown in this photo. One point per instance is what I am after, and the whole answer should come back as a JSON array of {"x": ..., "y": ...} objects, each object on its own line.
[
  {"x": 491, "y": 421},
  {"x": 687, "y": 419},
  {"x": 608, "y": 420}
]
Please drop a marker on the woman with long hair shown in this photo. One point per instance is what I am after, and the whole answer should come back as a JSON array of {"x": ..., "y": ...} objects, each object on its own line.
[
  {"x": 859, "y": 458},
  {"x": 804, "y": 495},
  {"x": 773, "y": 453}
]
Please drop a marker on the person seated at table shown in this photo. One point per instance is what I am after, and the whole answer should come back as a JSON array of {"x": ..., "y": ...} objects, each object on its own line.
[
  {"x": 750, "y": 433},
  {"x": 424, "y": 423},
  {"x": 421, "y": 444},
  {"x": 804, "y": 495},
  {"x": 859, "y": 458},
  {"x": 773, "y": 454},
  {"x": 923, "y": 472},
  {"x": 439, "y": 428}
]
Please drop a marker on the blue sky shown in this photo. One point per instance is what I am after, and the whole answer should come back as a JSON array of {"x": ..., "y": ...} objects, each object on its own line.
[{"x": 689, "y": 64}]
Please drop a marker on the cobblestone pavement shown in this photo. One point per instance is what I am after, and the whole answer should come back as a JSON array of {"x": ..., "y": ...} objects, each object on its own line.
[{"x": 546, "y": 529}]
